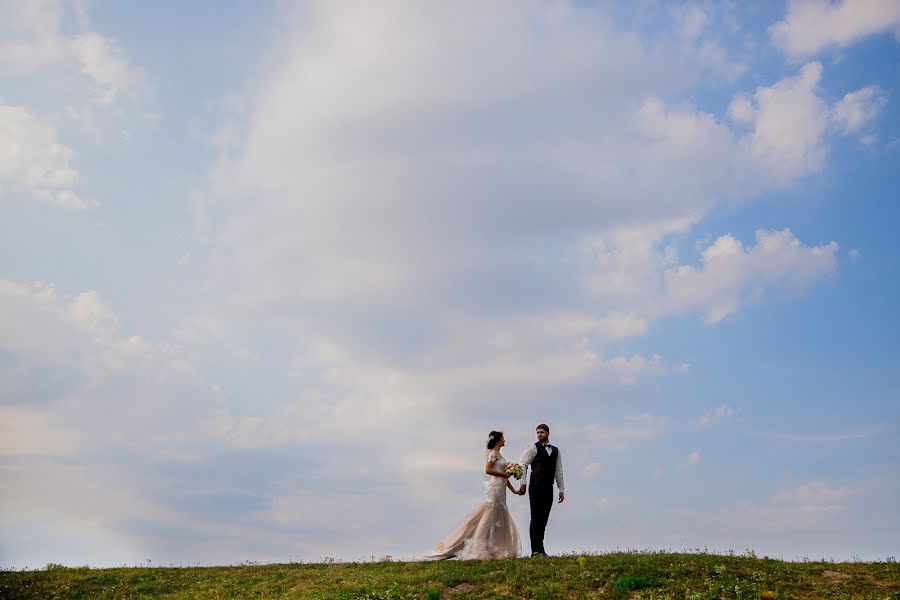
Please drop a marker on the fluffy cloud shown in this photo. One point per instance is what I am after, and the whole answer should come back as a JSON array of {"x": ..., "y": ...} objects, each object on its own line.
[
  {"x": 804, "y": 518},
  {"x": 732, "y": 275},
  {"x": 28, "y": 432},
  {"x": 33, "y": 161},
  {"x": 856, "y": 110},
  {"x": 104, "y": 63},
  {"x": 690, "y": 20},
  {"x": 34, "y": 49},
  {"x": 35, "y": 40},
  {"x": 31, "y": 34},
  {"x": 34, "y": 313},
  {"x": 426, "y": 233},
  {"x": 815, "y": 495},
  {"x": 80, "y": 525},
  {"x": 720, "y": 412},
  {"x": 110, "y": 418},
  {"x": 789, "y": 121},
  {"x": 630, "y": 429},
  {"x": 741, "y": 110},
  {"x": 811, "y": 25},
  {"x": 369, "y": 185},
  {"x": 92, "y": 376}
]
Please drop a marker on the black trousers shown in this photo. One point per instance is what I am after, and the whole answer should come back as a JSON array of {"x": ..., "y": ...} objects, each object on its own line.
[{"x": 540, "y": 497}]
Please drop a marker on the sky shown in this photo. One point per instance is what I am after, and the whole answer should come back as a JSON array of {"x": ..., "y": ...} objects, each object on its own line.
[{"x": 271, "y": 271}]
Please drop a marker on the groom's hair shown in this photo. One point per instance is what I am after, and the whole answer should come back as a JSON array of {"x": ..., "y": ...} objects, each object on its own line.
[
  {"x": 543, "y": 426},
  {"x": 493, "y": 438}
]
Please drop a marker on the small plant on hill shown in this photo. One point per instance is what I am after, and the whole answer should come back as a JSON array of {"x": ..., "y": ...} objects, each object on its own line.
[{"x": 628, "y": 583}]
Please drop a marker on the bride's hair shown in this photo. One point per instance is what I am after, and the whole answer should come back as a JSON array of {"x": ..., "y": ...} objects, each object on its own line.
[{"x": 493, "y": 438}]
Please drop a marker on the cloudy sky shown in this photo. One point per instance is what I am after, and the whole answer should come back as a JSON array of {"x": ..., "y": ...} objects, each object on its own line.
[{"x": 271, "y": 271}]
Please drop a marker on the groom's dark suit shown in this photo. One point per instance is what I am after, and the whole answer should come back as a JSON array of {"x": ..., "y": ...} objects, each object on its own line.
[{"x": 540, "y": 493}]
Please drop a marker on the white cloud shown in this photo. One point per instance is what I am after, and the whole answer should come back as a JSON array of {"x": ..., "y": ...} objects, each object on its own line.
[
  {"x": 89, "y": 311},
  {"x": 801, "y": 509},
  {"x": 815, "y": 494},
  {"x": 137, "y": 418},
  {"x": 393, "y": 202},
  {"x": 36, "y": 47},
  {"x": 103, "y": 61},
  {"x": 720, "y": 412},
  {"x": 629, "y": 368},
  {"x": 613, "y": 325},
  {"x": 858, "y": 109},
  {"x": 842, "y": 436},
  {"x": 33, "y": 161},
  {"x": 30, "y": 34},
  {"x": 683, "y": 136},
  {"x": 789, "y": 121},
  {"x": 591, "y": 469},
  {"x": 731, "y": 275},
  {"x": 810, "y": 507},
  {"x": 420, "y": 227},
  {"x": 631, "y": 429},
  {"x": 24, "y": 432},
  {"x": 372, "y": 186},
  {"x": 69, "y": 514},
  {"x": 812, "y": 25},
  {"x": 697, "y": 32},
  {"x": 741, "y": 110},
  {"x": 103, "y": 377},
  {"x": 34, "y": 313},
  {"x": 690, "y": 20}
]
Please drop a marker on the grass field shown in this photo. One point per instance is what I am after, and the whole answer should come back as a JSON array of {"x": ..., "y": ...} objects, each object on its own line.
[{"x": 628, "y": 575}]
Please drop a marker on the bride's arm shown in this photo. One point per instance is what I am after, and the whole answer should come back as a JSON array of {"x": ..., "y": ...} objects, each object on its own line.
[
  {"x": 511, "y": 488},
  {"x": 489, "y": 469}
]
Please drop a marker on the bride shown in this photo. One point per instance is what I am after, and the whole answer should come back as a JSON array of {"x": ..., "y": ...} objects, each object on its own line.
[{"x": 488, "y": 531}]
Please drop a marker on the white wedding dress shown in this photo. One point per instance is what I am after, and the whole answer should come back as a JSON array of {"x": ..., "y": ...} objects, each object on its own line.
[{"x": 488, "y": 532}]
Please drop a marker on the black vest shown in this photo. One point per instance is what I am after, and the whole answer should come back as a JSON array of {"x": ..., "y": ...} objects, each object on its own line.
[{"x": 543, "y": 467}]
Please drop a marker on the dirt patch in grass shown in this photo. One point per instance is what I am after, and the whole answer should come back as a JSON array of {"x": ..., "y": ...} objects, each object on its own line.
[
  {"x": 462, "y": 588},
  {"x": 836, "y": 574}
]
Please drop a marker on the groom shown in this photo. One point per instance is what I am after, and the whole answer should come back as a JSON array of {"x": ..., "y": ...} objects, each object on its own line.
[{"x": 546, "y": 466}]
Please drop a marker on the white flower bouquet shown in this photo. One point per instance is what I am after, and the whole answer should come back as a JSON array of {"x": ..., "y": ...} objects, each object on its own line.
[{"x": 514, "y": 469}]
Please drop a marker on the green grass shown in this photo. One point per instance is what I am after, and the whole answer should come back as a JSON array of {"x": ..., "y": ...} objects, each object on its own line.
[{"x": 625, "y": 575}]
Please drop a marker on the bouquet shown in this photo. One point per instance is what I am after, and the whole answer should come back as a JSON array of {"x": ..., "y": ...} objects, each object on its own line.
[{"x": 514, "y": 469}]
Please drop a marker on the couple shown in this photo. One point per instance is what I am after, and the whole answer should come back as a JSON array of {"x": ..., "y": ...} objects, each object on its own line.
[{"x": 489, "y": 531}]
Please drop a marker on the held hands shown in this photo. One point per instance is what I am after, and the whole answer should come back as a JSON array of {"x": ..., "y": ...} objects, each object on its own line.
[{"x": 517, "y": 492}]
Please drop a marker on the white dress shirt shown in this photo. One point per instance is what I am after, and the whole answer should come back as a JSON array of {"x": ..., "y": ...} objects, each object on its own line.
[{"x": 528, "y": 457}]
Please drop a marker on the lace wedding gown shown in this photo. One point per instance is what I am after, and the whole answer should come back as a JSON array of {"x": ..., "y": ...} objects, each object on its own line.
[{"x": 488, "y": 532}]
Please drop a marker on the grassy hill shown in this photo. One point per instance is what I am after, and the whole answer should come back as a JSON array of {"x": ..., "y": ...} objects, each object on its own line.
[{"x": 630, "y": 575}]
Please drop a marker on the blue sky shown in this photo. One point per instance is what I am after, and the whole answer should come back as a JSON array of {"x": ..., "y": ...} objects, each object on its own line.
[{"x": 270, "y": 272}]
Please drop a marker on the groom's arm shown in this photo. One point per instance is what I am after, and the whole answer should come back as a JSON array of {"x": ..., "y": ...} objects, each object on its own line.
[
  {"x": 526, "y": 460},
  {"x": 560, "y": 482}
]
